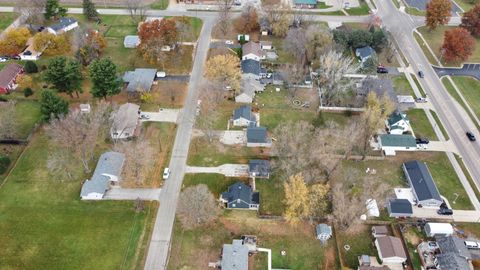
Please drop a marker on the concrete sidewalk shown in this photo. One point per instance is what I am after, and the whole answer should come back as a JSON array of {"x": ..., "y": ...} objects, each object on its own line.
[
  {"x": 131, "y": 194},
  {"x": 229, "y": 170}
]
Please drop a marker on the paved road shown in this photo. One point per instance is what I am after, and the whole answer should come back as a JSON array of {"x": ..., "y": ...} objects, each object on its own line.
[
  {"x": 453, "y": 116},
  {"x": 472, "y": 70}
]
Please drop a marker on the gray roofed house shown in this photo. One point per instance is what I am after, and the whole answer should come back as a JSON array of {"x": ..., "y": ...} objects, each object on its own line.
[
  {"x": 399, "y": 208},
  {"x": 139, "y": 80},
  {"x": 453, "y": 244},
  {"x": 109, "y": 168},
  {"x": 241, "y": 196},
  {"x": 125, "y": 121},
  {"x": 422, "y": 184},
  {"x": 252, "y": 50},
  {"x": 257, "y": 137},
  {"x": 251, "y": 66},
  {"x": 234, "y": 256},
  {"x": 244, "y": 117},
  {"x": 378, "y": 231},
  {"x": 131, "y": 41},
  {"x": 451, "y": 261},
  {"x": 250, "y": 86},
  {"x": 259, "y": 168},
  {"x": 364, "y": 53},
  {"x": 65, "y": 24}
]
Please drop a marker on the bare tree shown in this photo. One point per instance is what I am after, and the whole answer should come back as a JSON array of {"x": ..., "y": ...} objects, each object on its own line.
[
  {"x": 223, "y": 23},
  {"x": 211, "y": 95},
  {"x": 8, "y": 120},
  {"x": 294, "y": 43},
  {"x": 137, "y": 10},
  {"x": 61, "y": 164},
  {"x": 197, "y": 206},
  {"x": 293, "y": 74},
  {"x": 78, "y": 133},
  {"x": 139, "y": 159},
  {"x": 280, "y": 19},
  {"x": 32, "y": 10},
  {"x": 318, "y": 40}
]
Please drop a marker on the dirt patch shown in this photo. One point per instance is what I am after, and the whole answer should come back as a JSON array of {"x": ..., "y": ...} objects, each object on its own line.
[
  {"x": 330, "y": 256},
  {"x": 220, "y": 51},
  {"x": 169, "y": 94},
  {"x": 412, "y": 238}
]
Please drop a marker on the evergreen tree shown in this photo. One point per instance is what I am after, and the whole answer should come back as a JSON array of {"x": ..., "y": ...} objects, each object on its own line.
[
  {"x": 51, "y": 105},
  {"x": 103, "y": 73},
  {"x": 65, "y": 74},
  {"x": 90, "y": 11}
]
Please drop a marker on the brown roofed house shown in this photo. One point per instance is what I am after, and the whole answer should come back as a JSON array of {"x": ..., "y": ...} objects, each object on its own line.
[
  {"x": 8, "y": 77},
  {"x": 390, "y": 250},
  {"x": 252, "y": 50},
  {"x": 378, "y": 231}
]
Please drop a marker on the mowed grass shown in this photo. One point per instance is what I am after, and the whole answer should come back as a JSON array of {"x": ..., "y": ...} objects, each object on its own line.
[
  {"x": 6, "y": 19},
  {"x": 46, "y": 226},
  {"x": 470, "y": 88},
  {"x": 160, "y": 4},
  {"x": 402, "y": 86},
  {"x": 420, "y": 124},
  {"x": 360, "y": 242},
  {"x": 303, "y": 251},
  {"x": 363, "y": 9}
]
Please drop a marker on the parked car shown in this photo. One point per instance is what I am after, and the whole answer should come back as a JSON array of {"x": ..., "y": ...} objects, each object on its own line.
[
  {"x": 382, "y": 70},
  {"x": 421, "y": 100},
  {"x": 161, "y": 74},
  {"x": 229, "y": 42},
  {"x": 422, "y": 140},
  {"x": 166, "y": 173},
  {"x": 470, "y": 136},
  {"x": 432, "y": 245},
  {"x": 3, "y": 59},
  {"x": 420, "y": 74},
  {"x": 445, "y": 211},
  {"x": 144, "y": 116}
]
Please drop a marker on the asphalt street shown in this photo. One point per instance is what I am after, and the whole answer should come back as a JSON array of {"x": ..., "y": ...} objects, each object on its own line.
[{"x": 472, "y": 70}]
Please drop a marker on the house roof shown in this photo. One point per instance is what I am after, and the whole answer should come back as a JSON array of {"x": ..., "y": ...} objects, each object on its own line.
[
  {"x": 421, "y": 180},
  {"x": 323, "y": 228},
  {"x": 244, "y": 111},
  {"x": 256, "y": 134},
  {"x": 398, "y": 140},
  {"x": 260, "y": 167},
  {"x": 396, "y": 117},
  {"x": 252, "y": 48},
  {"x": 141, "y": 78},
  {"x": 131, "y": 40},
  {"x": 235, "y": 256},
  {"x": 380, "y": 229},
  {"x": 453, "y": 244},
  {"x": 126, "y": 118},
  {"x": 63, "y": 22},
  {"x": 452, "y": 261},
  {"x": 391, "y": 247},
  {"x": 364, "y": 52},
  {"x": 241, "y": 192},
  {"x": 266, "y": 43},
  {"x": 110, "y": 163},
  {"x": 305, "y": 2},
  {"x": 251, "y": 66},
  {"x": 400, "y": 206},
  {"x": 9, "y": 73}
]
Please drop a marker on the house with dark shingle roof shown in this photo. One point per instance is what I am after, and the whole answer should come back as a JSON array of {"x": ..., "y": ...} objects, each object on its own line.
[
  {"x": 108, "y": 170},
  {"x": 364, "y": 53},
  {"x": 454, "y": 254},
  {"x": 241, "y": 196},
  {"x": 65, "y": 24},
  {"x": 257, "y": 137},
  {"x": 423, "y": 187},
  {"x": 399, "y": 208},
  {"x": 141, "y": 79},
  {"x": 259, "y": 168},
  {"x": 244, "y": 117},
  {"x": 390, "y": 250},
  {"x": 8, "y": 77}
]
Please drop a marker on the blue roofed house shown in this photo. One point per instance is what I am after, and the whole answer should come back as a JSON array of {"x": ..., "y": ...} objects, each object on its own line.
[
  {"x": 305, "y": 3},
  {"x": 234, "y": 256},
  {"x": 259, "y": 168},
  {"x": 257, "y": 137},
  {"x": 139, "y": 80},
  {"x": 398, "y": 123},
  {"x": 241, "y": 196},
  {"x": 108, "y": 170},
  {"x": 65, "y": 24},
  {"x": 131, "y": 41},
  {"x": 423, "y": 187},
  {"x": 364, "y": 53},
  {"x": 244, "y": 117}
]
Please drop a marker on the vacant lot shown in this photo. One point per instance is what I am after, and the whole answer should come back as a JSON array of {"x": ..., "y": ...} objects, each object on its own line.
[
  {"x": 420, "y": 124},
  {"x": 402, "y": 86},
  {"x": 46, "y": 226}
]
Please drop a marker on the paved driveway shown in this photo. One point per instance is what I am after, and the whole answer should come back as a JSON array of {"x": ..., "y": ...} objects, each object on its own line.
[
  {"x": 180, "y": 78},
  {"x": 472, "y": 70},
  {"x": 458, "y": 215},
  {"x": 232, "y": 137},
  {"x": 229, "y": 170},
  {"x": 422, "y": 5},
  {"x": 147, "y": 194},
  {"x": 163, "y": 115},
  {"x": 221, "y": 44}
]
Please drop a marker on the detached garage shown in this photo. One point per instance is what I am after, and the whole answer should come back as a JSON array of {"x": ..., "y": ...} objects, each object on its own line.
[{"x": 438, "y": 229}]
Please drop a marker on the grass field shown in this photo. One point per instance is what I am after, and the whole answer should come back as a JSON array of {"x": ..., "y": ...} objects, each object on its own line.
[
  {"x": 420, "y": 124},
  {"x": 6, "y": 19},
  {"x": 47, "y": 226},
  {"x": 402, "y": 86},
  {"x": 451, "y": 90},
  {"x": 160, "y": 4},
  {"x": 470, "y": 89},
  {"x": 363, "y": 9},
  {"x": 360, "y": 242}
]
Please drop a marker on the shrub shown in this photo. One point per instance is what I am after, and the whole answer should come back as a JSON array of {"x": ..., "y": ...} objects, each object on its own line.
[
  {"x": 27, "y": 92},
  {"x": 31, "y": 67},
  {"x": 4, "y": 163}
]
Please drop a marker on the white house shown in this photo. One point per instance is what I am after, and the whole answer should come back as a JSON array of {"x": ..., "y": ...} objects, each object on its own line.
[
  {"x": 30, "y": 54},
  {"x": 390, "y": 250},
  {"x": 65, "y": 24},
  {"x": 244, "y": 117},
  {"x": 323, "y": 231},
  {"x": 398, "y": 123},
  {"x": 125, "y": 121},
  {"x": 252, "y": 50},
  {"x": 438, "y": 229},
  {"x": 390, "y": 143}
]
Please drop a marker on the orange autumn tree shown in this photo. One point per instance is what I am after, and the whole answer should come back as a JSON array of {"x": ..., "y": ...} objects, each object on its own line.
[
  {"x": 458, "y": 45},
  {"x": 438, "y": 13},
  {"x": 471, "y": 21},
  {"x": 154, "y": 35}
]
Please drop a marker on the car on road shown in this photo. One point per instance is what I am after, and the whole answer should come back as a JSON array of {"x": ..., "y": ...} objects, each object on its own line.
[
  {"x": 161, "y": 74},
  {"x": 229, "y": 42},
  {"x": 445, "y": 211},
  {"x": 166, "y": 173},
  {"x": 422, "y": 140},
  {"x": 144, "y": 116},
  {"x": 421, "y": 100},
  {"x": 470, "y": 136},
  {"x": 382, "y": 69},
  {"x": 420, "y": 74}
]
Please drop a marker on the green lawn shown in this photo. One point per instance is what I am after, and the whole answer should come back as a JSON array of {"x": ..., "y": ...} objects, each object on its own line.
[
  {"x": 46, "y": 226},
  {"x": 363, "y": 9},
  {"x": 414, "y": 11},
  {"x": 465, "y": 4},
  {"x": 322, "y": 5},
  {"x": 402, "y": 86},
  {"x": 420, "y": 124},
  {"x": 361, "y": 243},
  {"x": 27, "y": 115},
  {"x": 159, "y": 4},
  {"x": 426, "y": 51},
  {"x": 470, "y": 88},
  {"x": 217, "y": 183},
  {"x": 440, "y": 125},
  {"x": 6, "y": 19},
  {"x": 451, "y": 90}
]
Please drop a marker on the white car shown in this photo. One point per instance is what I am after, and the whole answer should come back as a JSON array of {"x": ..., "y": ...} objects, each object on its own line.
[
  {"x": 161, "y": 74},
  {"x": 229, "y": 42},
  {"x": 3, "y": 60},
  {"x": 166, "y": 173}
]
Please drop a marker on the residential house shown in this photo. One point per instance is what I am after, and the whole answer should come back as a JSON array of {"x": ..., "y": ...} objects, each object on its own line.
[
  {"x": 390, "y": 250},
  {"x": 323, "y": 232},
  {"x": 252, "y": 66},
  {"x": 259, "y": 168},
  {"x": 139, "y": 80},
  {"x": 390, "y": 143},
  {"x": 249, "y": 85},
  {"x": 8, "y": 77},
  {"x": 438, "y": 229},
  {"x": 234, "y": 256},
  {"x": 108, "y": 170},
  {"x": 305, "y": 3},
  {"x": 131, "y": 41},
  {"x": 252, "y": 50},
  {"x": 423, "y": 187},
  {"x": 266, "y": 45},
  {"x": 244, "y": 117},
  {"x": 379, "y": 231},
  {"x": 257, "y": 137},
  {"x": 364, "y": 53},
  {"x": 454, "y": 254},
  {"x": 65, "y": 24},
  {"x": 398, "y": 123},
  {"x": 125, "y": 121},
  {"x": 399, "y": 208},
  {"x": 241, "y": 196},
  {"x": 30, "y": 54}
]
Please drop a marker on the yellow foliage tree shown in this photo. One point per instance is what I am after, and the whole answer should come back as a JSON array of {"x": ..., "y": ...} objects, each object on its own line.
[
  {"x": 41, "y": 40},
  {"x": 318, "y": 194},
  {"x": 14, "y": 41},
  {"x": 225, "y": 70},
  {"x": 58, "y": 45},
  {"x": 296, "y": 199},
  {"x": 25, "y": 81}
]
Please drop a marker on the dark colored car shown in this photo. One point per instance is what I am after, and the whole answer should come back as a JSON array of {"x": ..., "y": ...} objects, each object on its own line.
[
  {"x": 382, "y": 70},
  {"x": 422, "y": 140},
  {"x": 420, "y": 74},
  {"x": 445, "y": 211},
  {"x": 470, "y": 136}
]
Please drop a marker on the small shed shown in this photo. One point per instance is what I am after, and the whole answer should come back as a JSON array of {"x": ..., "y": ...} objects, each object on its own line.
[
  {"x": 85, "y": 108},
  {"x": 378, "y": 231},
  {"x": 324, "y": 232},
  {"x": 131, "y": 41},
  {"x": 438, "y": 229}
]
